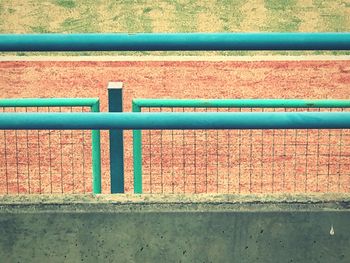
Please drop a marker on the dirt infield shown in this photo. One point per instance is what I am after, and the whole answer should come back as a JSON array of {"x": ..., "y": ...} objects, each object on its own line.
[{"x": 172, "y": 79}]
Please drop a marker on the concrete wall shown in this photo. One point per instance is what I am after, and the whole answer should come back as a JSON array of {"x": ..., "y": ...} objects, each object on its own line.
[{"x": 174, "y": 229}]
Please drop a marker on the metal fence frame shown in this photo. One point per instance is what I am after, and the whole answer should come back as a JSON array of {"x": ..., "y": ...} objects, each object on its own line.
[
  {"x": 166, "y": 42},
  {"x": 138, "y": 104},
  {"x": 92, "y": 103}
]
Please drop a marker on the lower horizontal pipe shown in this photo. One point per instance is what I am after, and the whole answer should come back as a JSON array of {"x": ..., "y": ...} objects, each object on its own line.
[{"x": 170, "y": 121}]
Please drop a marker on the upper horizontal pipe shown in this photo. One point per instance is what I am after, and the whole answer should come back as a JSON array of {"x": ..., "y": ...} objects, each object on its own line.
[
  {"x": 169, "y": 121},
  {"x": 174, "y": 41},
  {"x": 242, "y": 103},
  {"x": 48, "y": 102}
]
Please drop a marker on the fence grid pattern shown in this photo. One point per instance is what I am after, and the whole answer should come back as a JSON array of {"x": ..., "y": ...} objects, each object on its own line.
[
  {"x": 45, "y": 161},
  {"x": 244, "y": 161}
]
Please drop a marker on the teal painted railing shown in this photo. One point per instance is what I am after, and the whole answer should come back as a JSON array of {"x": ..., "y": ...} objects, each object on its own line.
[
  {"x": 173, "y": 120},
  {"x": 92, "y": 103},
  {"x": 174, "y": 41},
  {"x": 138, "y": 104}
]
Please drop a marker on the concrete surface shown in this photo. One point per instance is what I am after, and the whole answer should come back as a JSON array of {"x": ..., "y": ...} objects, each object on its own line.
[{"x": 128, "y": 228}]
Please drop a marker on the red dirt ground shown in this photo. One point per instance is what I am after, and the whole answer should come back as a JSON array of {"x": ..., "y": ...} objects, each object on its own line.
[{"x": 219, "y": 80}]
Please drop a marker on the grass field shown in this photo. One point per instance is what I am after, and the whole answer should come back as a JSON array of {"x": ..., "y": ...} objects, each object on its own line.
[{"x": 83, "y": 16}]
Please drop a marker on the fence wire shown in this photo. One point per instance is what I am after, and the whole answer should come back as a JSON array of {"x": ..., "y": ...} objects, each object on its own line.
[
  {"x": 45, "y": 161},
  {"x": 245, "y": 161}
]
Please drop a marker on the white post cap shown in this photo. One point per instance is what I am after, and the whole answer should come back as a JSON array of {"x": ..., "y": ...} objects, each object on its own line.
[{"x": 115, "y": 85}]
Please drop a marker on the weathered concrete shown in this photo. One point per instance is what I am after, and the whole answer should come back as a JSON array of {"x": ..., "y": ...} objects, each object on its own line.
[{"x": 175, "y": 228}]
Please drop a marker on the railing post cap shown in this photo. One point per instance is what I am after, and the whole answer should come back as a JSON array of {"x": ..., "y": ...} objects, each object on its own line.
[{"x": 115, "y": 85}]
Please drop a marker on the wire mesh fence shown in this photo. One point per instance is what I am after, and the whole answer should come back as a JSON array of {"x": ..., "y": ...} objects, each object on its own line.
[
  {"x": 245, "y": 161},
  {"x": 45, "y": 161}
]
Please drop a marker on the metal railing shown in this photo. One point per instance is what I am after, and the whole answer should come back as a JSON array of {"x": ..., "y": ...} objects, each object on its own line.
[
  {"x": 174, "y": 41},
  {"x": 263, "y": 153},
  {"x": 179, "y": 120},
  {"x": 35, "y": 159},
  {"x": 164, "y": 42}
]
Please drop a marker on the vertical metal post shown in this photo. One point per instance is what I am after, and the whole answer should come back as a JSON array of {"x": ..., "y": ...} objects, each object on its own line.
[
  {"x": 96, "y": 155},
  {"x": 116, "y": 145},
  {"x": 137, "y": 151}
]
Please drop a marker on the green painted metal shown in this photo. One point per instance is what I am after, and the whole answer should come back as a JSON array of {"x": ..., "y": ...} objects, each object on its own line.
[
  {"x": 137, "y": 105},
  {"x": 137, "y": 155},
  {"x": 94, "y": 105},
  {"x": 175, "y": 120},
  {"x": 174, "y": 41},
  {"x": 49, "y": 102},
  {"x": 116, "y": 142},
  {"x": 242, "y": 103},
  {"x": 96, "y": 154}
]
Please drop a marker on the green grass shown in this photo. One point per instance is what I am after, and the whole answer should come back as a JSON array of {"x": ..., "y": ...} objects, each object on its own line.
[
  {"x": 82, "y": 16},
  {"x": 230, "y": 14},
  {"x": 283, "y": 15},
  {"x": 338, "y": 22},
  {"x": 66, "y": 3},
  {"x": 1, "y": 14},
  {"x": 39, "y": 29}
]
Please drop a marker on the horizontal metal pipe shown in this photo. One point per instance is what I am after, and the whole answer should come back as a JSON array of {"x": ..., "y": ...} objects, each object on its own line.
[
  {"x": 242, "y": 103},
  {"x": 48, "y": 102},
  {"x": 174, "y": 41},
  {"x": 166, "y": 121}
]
